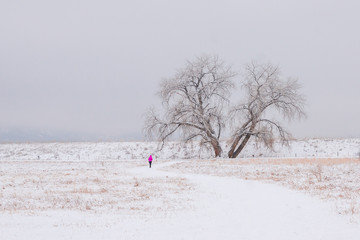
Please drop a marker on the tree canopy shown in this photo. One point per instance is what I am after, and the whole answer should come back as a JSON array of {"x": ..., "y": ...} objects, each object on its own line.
[{"x": 196, "y": 104}]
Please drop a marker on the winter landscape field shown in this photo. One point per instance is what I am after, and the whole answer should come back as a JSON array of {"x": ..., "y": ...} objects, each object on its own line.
[
  {"x": 257, "y": 102},
  {"x": 107, "y": 191}
]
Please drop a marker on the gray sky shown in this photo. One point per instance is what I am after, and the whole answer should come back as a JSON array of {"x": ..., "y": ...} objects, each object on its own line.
[{"x": 93, "y": 67}]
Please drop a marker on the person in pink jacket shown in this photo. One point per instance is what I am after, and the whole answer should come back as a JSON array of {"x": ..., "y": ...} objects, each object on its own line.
[{"x": 150, "y": 161}]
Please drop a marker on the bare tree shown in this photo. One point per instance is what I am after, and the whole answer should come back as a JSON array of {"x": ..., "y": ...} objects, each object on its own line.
[
  {"x": 196, "y": 97},
  {"x": 266, "y": 92},
  {"x": 194, "y": 101}
]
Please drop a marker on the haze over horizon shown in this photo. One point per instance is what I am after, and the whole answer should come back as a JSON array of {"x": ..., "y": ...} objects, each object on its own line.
[{"x": 88, "y": 70}]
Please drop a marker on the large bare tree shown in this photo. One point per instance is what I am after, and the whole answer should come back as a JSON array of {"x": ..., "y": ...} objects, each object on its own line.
[
  {"x": 194, "y": 101},
  {"x": 266, "y": 94}
]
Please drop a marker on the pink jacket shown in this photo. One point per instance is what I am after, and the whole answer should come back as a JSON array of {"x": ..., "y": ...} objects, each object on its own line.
[{"x": 150, "y": 158}]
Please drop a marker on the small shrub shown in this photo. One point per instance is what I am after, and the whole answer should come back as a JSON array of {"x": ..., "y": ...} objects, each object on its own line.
[{"x": 317, "y": 172}]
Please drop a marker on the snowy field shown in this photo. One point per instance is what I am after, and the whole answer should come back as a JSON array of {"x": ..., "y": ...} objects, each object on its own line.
[
  {"x": 107, "y": 191},
  {"x": 311, "y": 148}
]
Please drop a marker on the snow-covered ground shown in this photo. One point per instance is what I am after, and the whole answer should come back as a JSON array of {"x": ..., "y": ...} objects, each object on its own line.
[
  {"x": 84, "y": 200},
  {"x": 87, "y": 151},
  {"x": 106, "y": 191},
  {"x": 334, "y": 180}
]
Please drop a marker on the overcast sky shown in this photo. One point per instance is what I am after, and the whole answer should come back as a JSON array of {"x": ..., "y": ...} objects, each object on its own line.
[{"x": 93, "y": 67}]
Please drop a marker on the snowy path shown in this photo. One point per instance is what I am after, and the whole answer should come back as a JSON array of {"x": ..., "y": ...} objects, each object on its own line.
[
  {"x": 225, "y": 208},
  {"x": 230, "y": 208}
]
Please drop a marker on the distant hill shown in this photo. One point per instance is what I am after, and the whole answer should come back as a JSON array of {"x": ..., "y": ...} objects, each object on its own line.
[
  {"x": 93, "y": 151},
  {"x": 19, "y": 135}
]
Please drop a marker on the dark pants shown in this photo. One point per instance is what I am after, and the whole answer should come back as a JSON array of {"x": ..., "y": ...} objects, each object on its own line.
[{"x": 150, "y": 164}]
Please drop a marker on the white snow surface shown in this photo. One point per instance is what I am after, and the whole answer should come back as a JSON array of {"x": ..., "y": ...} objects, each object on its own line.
[
  {"x": 90, "y": 151},
  {"x": 106, "y": 191},
  {"x": 213, "y": 208}
]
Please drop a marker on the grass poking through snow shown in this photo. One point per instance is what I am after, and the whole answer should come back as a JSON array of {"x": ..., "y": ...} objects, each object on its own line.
[
  {"x": 102, "y": 186},
  {"x": 337, "y": 180}
]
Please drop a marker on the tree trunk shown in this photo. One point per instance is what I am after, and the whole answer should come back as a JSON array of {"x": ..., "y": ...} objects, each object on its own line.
[
  {"x": 217, "y": 148},
  {"x": 233, "y": 146},
  {"x": 234, "y": 154},
  {"x": 241, "y": 147}
]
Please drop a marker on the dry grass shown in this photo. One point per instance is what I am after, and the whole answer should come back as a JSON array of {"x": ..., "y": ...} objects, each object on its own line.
[
  {"x": 333, "y": 179},
  {"x": 87, "y": 186},
  {"x": 287, "y": 161}
]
